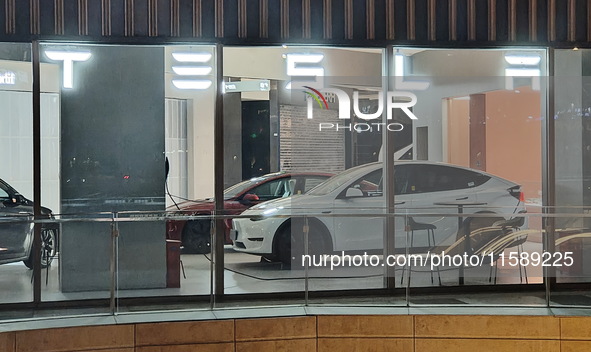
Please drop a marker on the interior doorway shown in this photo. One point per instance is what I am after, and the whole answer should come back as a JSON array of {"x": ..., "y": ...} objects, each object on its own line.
[
  {"x": 498, "y": 132},
  {"x": 256, "y": 142}
]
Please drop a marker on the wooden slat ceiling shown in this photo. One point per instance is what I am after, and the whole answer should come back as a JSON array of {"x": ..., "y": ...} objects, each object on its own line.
[{"x": 356, "y": 22}]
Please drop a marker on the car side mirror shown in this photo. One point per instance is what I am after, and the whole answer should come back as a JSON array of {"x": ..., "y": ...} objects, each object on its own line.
[
  {"x": 249, "y": 198},
  {"x": 354, "y": 192},
  {"x": 14, "y": 200}
]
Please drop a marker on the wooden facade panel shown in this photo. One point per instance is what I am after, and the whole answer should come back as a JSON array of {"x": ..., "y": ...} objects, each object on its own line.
[
  {"x": 300, "y": 345},
  {"x": 400, "y": 20},
  {"x": 4, "y": 16},
  {"x": 365, "y": 345},
  {"x": 75, "y": 17},
  {"x": 365, "y": 326},
  {"x": 404, "y": 22},
  {"x": 275, "y": 328},
  {"x": 208, "y": 347},
  {"x": 492, "y": 326},
  {"x": 575, "y": 346},
  {"x": 21, "y": 13},
  {"x": 575, "y": 328},
  {"x": 115, "y": 18},
  {"x": 437, "y": 333},
  {"x": 184, "y": 333},
  {"x": 484, "y": 345},
  {"x": 110, "y": 337},
  {"x": 7, "y": 342}
]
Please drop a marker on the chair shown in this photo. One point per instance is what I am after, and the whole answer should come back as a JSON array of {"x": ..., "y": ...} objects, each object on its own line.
[
  {"x": 496, "y": 248},
  {"x": 564, "y": 239},
  {"x": 493, "y": 240},
  {"x": 412, "y": 226},
  {"x": 512, "y": 225}
]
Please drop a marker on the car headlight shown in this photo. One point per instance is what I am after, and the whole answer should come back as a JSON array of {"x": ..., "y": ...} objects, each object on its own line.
[
  {"x": 265, "y": 214},
  {"x": 270, "y": 211}
]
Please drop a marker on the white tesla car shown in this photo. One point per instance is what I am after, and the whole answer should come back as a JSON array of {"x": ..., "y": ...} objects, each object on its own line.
[{"x": 343, "y": 213}]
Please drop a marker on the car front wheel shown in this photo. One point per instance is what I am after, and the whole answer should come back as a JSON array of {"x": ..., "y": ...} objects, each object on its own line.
[
  {"x": 289, "y": 243},
  {"x": 196, "y": 237},
  {"x": 48, "y": 249}
]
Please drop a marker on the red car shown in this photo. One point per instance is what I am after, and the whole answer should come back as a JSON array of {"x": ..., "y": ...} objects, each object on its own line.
[{"x": 195, "y": 234}]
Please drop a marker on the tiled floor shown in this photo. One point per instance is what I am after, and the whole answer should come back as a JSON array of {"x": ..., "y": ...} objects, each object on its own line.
[{"x": 246, "y": 274}]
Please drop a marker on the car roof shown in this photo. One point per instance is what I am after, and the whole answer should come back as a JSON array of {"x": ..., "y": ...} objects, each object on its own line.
[
  {"x": 378, "y": 164},
  {"x": 291, "y": 174}
]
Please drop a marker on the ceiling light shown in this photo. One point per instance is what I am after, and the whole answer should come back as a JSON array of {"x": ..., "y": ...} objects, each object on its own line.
[
  {"x": 191, "y": 70},
  {"x": 191, "y": 84},
  {"x": 527, "y": 60},
  {"x": 191, "y": 57}
]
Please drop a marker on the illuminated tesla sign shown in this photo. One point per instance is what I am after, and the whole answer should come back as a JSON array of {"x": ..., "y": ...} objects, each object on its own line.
[
  {"x": 7, "y": 78},
  {"x": 189, "y": 75},
  {"x": 68, "y": 57},
  {"x": 304, "y": 65},
  {"x": 522, "y": 65}
]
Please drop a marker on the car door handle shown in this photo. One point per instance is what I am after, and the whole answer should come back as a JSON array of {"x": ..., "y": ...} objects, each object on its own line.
[
  {"x": 463, "y": 198},
  {"x": 326, "y": 212},
  {"x": 399, "y": 203}
]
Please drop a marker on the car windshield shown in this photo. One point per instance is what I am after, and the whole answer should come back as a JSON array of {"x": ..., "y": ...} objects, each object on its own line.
[
  {"x": 5, "y": 190},
  {"x": 239, "y": 188},
  {"x": 334, "y": 182}
]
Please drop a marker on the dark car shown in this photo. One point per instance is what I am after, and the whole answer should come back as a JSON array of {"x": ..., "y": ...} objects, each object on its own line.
[
  {"x": 16, "y": 229},
  {"x": 195, "y": 234}
]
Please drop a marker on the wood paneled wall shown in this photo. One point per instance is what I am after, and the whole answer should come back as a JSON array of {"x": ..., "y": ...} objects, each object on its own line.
[
  {"x": 425, "y": 333},
  {"x": 314, "y": 21}
]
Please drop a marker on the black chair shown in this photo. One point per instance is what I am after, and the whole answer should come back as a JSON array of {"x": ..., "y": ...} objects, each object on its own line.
[
  {"x": 506, "y": 240},
  {"x": 509, "y": 226},
  {"x": 513, "y": 223},
  {"x": 412, "y": 226}
]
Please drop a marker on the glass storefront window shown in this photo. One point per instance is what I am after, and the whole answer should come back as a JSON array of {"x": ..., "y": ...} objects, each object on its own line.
[
  {"x": 16, "y": 172},
  {"x": 282, "y": 116},
  {"x": 128, "y": 167},
  {"x": 571, "y": 186},
  {"x": 127, "y": 129},
  {"x": 476, "y": 138}
]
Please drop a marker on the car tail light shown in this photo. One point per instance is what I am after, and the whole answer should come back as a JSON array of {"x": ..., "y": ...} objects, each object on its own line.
[{"x": 516, "y": 192}]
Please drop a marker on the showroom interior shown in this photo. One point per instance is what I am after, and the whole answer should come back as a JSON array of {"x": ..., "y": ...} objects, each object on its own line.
[
  {"x": 265, "y": 130},
  {"x": 216, "y": 158}
]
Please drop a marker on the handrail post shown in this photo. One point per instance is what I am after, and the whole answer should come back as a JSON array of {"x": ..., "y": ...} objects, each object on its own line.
[
  {"x": 306, "y": 252},
  {"x": 549, "y": 180},
  {"x": 113, "y": 263}
]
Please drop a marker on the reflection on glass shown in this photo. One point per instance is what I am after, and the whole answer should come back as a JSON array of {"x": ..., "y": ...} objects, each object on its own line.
[
  {"x": 16, "y": 173},
  {"x": 571, "y": 120},
  {"x": 280, "y": 133},
  {"x": 467, "y": 170},
  {"x": 118, "y": 140}
]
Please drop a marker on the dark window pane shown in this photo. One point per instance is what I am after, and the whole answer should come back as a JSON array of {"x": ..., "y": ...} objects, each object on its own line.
[
  {"x": 401, "y": 179},
  {"x": 271, "y": 190},
  {"x": 436, "y": 178},
  {"x": 370, "y": 184}
]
